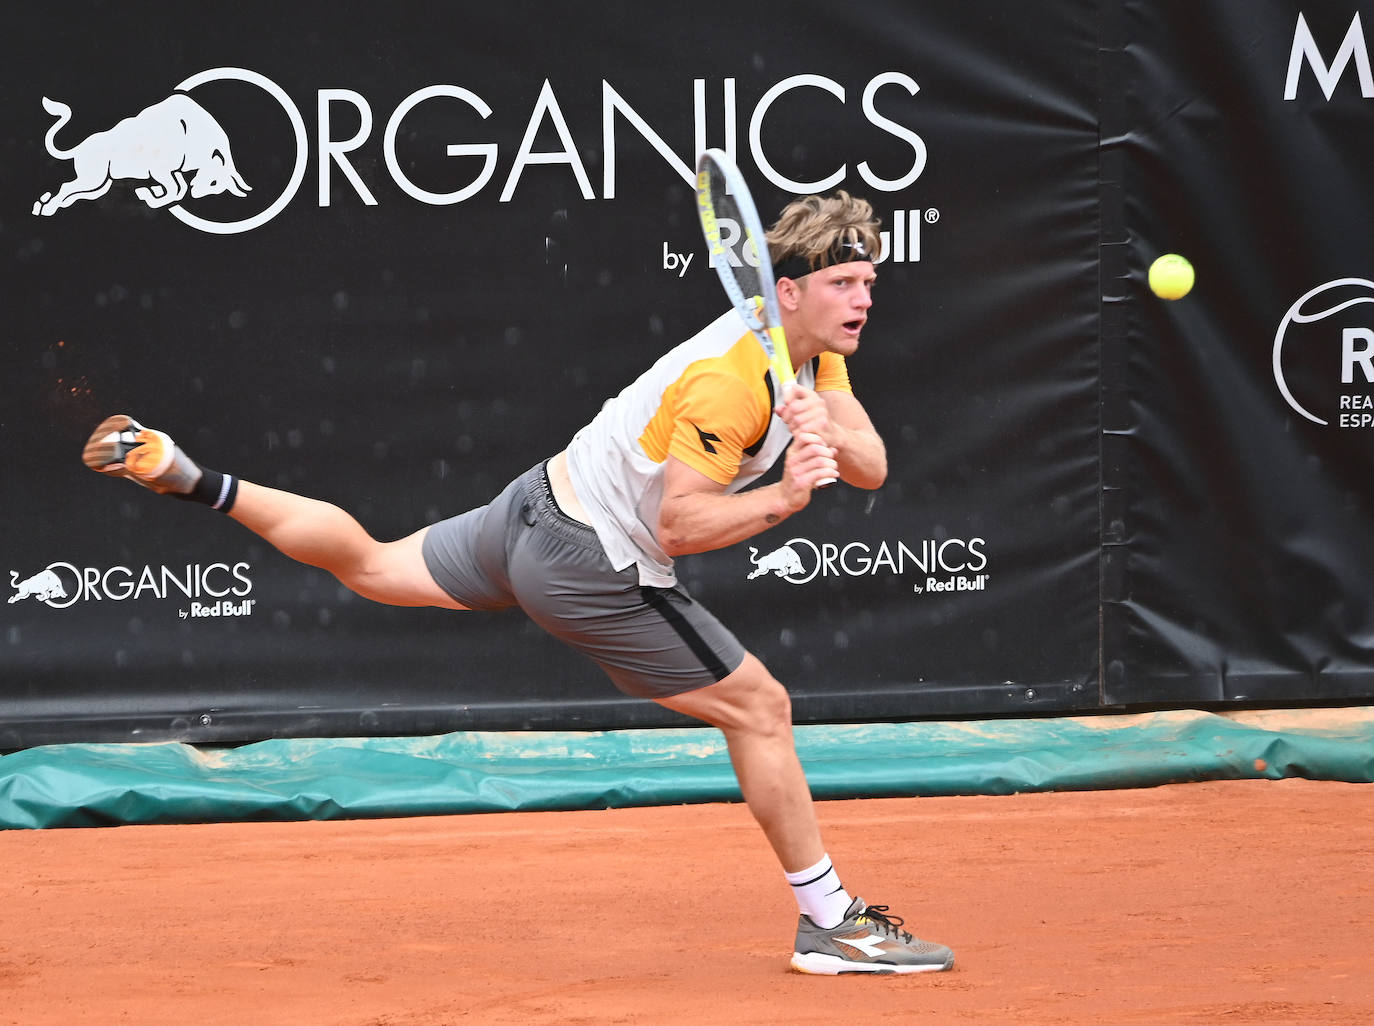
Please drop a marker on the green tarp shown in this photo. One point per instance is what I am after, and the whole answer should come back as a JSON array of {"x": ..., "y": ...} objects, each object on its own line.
[{"x": 107, "y": 784}]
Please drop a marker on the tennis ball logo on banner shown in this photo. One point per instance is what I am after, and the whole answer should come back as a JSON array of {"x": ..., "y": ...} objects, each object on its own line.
[
  {"x": 218, "y": 143},
  {"x": 951, "y": 565},
  {"x": 1323, "y": 354}
]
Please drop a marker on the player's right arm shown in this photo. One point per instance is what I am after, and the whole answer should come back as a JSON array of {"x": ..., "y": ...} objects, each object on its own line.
[
  {"x": 840, "y": 419},
  {"x": 697, "y": 514}
]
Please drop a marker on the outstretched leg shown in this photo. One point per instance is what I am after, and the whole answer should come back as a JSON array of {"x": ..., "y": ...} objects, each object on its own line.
[
  {"x": 321, "y": 534},
  {"x": 307, "y": 530}
]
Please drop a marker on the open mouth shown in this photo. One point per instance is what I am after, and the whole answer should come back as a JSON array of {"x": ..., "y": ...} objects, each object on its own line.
[{"x": 853, "y": 327}]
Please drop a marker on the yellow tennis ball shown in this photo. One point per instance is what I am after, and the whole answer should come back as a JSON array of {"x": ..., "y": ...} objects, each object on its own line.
[{"x": 1171, "y": 277}]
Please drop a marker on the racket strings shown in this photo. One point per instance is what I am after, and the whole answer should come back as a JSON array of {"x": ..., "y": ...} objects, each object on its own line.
[
  {"x": 741, "y": 279},
  {"x": 739, "y": 252}
]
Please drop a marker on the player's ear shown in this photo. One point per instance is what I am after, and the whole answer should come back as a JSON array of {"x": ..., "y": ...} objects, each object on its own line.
[{"x": 789, "y": 293}]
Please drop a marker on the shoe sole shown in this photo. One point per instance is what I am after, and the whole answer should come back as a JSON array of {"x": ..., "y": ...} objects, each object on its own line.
[
  {"x": 816, "y": 964},
  {"x": 154, "y": 458},
  {"x": 101, "y": 452}
]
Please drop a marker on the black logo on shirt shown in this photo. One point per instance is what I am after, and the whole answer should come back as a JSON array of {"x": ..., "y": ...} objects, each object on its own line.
[{"x": 706, "y": 439}]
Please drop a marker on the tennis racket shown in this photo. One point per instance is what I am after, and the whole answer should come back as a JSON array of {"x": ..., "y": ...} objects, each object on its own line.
[{"x": 723, "y": 194}]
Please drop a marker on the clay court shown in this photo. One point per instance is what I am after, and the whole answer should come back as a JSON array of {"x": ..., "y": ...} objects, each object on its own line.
[{"x": 1245, "y": 901}]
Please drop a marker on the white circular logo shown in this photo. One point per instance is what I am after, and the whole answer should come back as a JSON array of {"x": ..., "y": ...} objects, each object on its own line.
[
  {"x": 1296, "y": 315},
  {"x": 302, "y": 151}
]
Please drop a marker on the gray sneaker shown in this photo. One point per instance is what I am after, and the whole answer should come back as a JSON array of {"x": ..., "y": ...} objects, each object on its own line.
[
  {"x": 123, "y": 447},
  {"x": 868, "y": 941}
]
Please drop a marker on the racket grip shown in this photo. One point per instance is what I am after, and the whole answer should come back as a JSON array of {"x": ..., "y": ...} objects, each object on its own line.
[{"x": 825, "y": 484}]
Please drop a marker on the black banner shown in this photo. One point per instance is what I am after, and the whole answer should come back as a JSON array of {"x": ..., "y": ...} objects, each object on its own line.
[
  {"x": 1241, "y": 416},
  {"x": 442, "y": 237}
]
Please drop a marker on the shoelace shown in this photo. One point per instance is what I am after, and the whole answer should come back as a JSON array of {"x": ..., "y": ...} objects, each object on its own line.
[{"x": 878, "y": 916}]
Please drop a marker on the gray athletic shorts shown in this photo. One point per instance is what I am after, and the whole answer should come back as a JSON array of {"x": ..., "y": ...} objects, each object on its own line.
[{"x": 521, "y": 550}]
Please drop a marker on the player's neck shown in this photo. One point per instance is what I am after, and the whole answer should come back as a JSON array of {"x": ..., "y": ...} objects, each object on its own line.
[{"x": 801, "y": 345}]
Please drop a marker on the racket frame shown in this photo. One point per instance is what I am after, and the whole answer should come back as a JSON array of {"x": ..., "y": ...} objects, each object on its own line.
[{"x": 760, "y": 313}]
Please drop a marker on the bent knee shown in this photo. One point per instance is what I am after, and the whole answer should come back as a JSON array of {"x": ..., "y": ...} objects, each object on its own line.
[
  {"x": 759, "y": 702},
  {"x": 772, "y": 711},
  {"x": 748, "y": 701}
]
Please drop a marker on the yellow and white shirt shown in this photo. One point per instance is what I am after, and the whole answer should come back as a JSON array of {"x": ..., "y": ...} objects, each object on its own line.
[{"x": 709, "y": 402}]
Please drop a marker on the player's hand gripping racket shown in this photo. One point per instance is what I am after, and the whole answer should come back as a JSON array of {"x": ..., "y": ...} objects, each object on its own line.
[{"x": 723, "y": 194}]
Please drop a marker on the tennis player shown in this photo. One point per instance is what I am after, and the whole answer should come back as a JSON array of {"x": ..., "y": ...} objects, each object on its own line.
[{"x": 584, "y": 542}]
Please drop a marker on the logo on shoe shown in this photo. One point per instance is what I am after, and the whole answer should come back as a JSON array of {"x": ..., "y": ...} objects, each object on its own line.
[{"x": 870, "y": 944}]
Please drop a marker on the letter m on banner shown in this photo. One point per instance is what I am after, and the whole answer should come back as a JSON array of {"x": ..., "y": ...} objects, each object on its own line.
[{"x": 1305, "y": 49}]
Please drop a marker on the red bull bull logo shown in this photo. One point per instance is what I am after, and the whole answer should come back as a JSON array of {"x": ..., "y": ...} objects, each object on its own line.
[
  {"x": 160, "y": 147},
  {"x": 170, "y": 152}
]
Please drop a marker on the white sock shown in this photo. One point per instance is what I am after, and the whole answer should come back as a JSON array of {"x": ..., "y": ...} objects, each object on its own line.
[{"x": 819, "y": 893}]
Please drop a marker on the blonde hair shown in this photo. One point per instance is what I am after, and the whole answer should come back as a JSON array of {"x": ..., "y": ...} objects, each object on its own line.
[{"x": 815, "y": 232}]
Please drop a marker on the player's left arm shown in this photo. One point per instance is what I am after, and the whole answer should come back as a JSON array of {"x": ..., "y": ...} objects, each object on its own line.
[{"x": 843, "y": 423}]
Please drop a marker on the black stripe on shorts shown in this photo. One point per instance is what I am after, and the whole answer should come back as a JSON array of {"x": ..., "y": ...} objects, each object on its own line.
[{"x": 658, "y": 599}]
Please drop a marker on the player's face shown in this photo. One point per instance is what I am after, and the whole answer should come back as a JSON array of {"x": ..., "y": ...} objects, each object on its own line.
[{"x": 834, "y": 305}]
